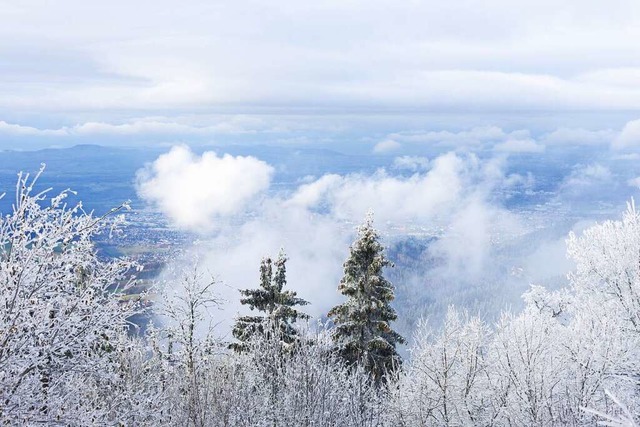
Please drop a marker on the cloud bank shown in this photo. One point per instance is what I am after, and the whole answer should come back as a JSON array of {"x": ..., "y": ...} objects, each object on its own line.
[
  {"x": 315, "y": 221},
  {"x": 342, "y": 133}
]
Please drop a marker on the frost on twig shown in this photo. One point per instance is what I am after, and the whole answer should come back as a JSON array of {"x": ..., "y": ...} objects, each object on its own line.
[{"x": 63, "y": 318}]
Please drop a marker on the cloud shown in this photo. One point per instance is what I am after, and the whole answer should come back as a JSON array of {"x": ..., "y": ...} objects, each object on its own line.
[
  {"x": 311, "y": 194},
  {"x": 19, "y": 130},
  {"x": 315, "y": 221},
  {"x": 586, "y": 180},
  {"x": 144, "y": 127},
  {"x": 578, "y": 136},
  {"x": 629, "y": 137},
  {"x": 316, "y": 245},
  {"x": 634, "y": 182},
  {"x": 193, "y": 191},
  {"x": 466, "y": 245},
  {"x": 492, "y": 137},
  {"x": 411, "y": 163},
  {"x": 307, "y": 130},
  {"x": 519, "y": 146},
  {"x": 588, "y": 173},
  {"x": 472, "y": 137},
  {"x": 505, "y": 57},
  {"x": 386, "y": 146},
  {"x": 393, "y": 198}
]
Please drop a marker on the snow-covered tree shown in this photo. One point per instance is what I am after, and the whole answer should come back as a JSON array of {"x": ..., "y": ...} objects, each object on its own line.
[
  {"x": 606, "y": 313},
  {"x": 63, "y": 323},
  {"x": 308, "y": 387},
  {"x": 527, "y": 369},
  {"x": 607, "y": 272},
  {"x": 185, "y": 344},
  {"x": 270, "y": 298},
  {"x": 362, "y": 323},
  {"x": 445, "y": 383}
]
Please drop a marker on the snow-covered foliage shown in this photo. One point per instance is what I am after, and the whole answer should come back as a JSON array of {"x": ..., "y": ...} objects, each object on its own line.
[
  {"x": 63, "y": 323},
  {"x": 560, "y": 361},
  {"x": 270, "y": 298},
  {"x": 362, "y": 323},
  {"x": 69, "y": 356},
  {"x": 181, "y": 349},
  {"x": 446, "y": 382}
]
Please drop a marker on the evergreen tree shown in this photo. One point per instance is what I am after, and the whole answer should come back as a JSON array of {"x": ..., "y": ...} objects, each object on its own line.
[
  {"x": 270, "y": 298},
  {"x": 362, "y": 331}
]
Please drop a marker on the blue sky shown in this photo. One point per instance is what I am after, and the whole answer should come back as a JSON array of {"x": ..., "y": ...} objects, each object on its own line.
[{"x": 291, "y": 72}]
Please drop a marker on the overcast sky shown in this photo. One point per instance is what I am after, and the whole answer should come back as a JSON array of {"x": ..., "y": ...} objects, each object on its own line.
[{"x": 72, "y": 63}]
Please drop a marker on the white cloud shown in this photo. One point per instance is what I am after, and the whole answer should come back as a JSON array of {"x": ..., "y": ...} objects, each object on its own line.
[
  {"x": 411, "y": 163},
  {"x": 315, "y": 222},
  {"x": 623, "y": 76},
  {"x": 310, "y": 130},
  {"x": 193, "y": 191},
  {"x": 311, "y": 194},
  {"x": 317, "y": 246},
  {"x": 386, "y": 146},
  {"x": 594, "y": 171},
  {"x": 392, "y": 198},
  {"x": 19, "y": 130},
  {"x": 578, "y": 136},
  {"x": 444, "y": 55},
  {"x": 584, "y": 177},
  {"x": 629, "y": 137},
  {"x": 477, "y": 137},
  {"x": 466, "y": 247},
  {"x": 145, "y": 126},
  {"x": 519, "y": 146},
  {"x": 634, "y": 182},
  {"x": 472, "y": 137}
]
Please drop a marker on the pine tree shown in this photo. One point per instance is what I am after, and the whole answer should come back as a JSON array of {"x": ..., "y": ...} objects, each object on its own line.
[
  {"x": 276, "y": 303},
  {"x": 362, "y": 332}
]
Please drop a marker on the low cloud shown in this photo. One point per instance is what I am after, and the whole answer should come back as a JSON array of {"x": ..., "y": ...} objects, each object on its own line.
[
  {"x": 393, "y": 198},
  {"x": 519, "y": 146},
  {"x": 481, "y": 137},
  {"x": 386, "y": 146},
  {"x": 467, "y": 138},
  {"x": 584, "y": 181},
  {"x": 150, "y": 127},
  {"x": 193, "y": 191},
  {"x": 239, "y": 124},
  {"x": 579, "y": 136},
  {"x": 588, "y": 174},
  {"x": 466, "y": 246},
  {"x": 20, "y": 130},
  {"x": 317, "y": 246},
  {"x": 315, "y": 222},
  {"x": 629, "y": 137},
  {"x": 634, "y": 182},
  {"x": 411, "y": 163}
]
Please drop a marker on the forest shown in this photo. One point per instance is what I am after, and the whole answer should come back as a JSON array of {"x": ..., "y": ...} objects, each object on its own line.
[{"x": 71, "y": 355}]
